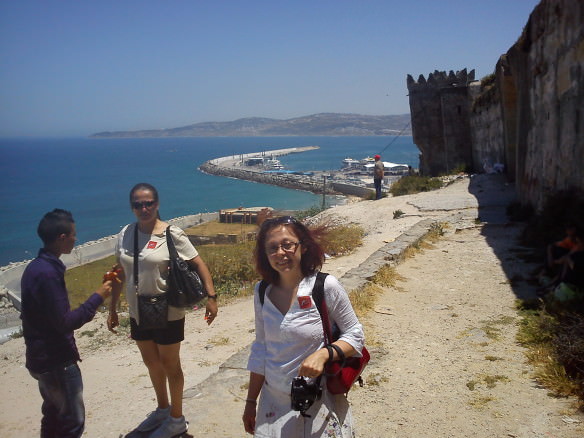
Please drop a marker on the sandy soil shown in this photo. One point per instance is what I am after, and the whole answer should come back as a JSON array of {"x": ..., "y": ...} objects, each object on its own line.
[{"x": 445, "y": 360}]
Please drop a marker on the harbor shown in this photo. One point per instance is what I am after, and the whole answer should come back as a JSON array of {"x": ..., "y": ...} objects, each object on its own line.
[{"x": 354, "y": 177}]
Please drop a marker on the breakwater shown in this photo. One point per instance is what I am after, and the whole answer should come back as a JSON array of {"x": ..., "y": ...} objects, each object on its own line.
[{"x": 329, "y": 182}]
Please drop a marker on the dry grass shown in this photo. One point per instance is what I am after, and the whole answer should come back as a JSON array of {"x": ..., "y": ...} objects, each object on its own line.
[
  {"x": 387, "y": 276},
  {"x": 213, "y": 228},
  {"x": 343, "y": 239},
  {"x": 363, "y": 300}
]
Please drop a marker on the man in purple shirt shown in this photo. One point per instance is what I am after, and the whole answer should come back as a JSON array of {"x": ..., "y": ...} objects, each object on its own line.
[{"x": 48, "y": 323}]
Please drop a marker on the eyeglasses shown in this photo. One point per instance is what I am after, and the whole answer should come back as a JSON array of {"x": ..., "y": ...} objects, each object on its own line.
[
  {"x": 144, "y": 204},
  {"x": 286, "y": 247}
]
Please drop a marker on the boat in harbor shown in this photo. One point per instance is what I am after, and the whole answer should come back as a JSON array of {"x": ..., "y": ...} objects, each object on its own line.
[
  {"x": 273, "y": 164},
  {"x": 350, "y": 163},
  {"x": 366, "y": 164}
]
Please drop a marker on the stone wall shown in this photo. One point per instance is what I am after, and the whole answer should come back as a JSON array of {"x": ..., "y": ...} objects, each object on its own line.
[
  {"x": 439, "y": 108},
  {"x": 529, "y": 116},
  {"x": 547, "y": 65}
]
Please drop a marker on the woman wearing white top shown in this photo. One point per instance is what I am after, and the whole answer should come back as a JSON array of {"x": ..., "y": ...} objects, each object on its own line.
[
  {"x": 160, "y": 348},
  {"x": 289, "y": 337}
]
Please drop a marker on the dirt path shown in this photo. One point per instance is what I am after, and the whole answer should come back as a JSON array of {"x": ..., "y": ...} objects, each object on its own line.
[
  {"x": 446, "y": 360},
  {"x": 437, "y": 368}
]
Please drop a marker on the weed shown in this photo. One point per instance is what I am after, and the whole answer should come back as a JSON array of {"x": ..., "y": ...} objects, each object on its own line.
[
  {"x": 219, "y": 341},
  {"x": 538, "y": 331},
  {"x": 397, "y": 214},
  {"x": 88, "y": 333},
  {"x": 480, "y": 402},
  {"x": 364, "y": 299},
  {"x": 410, "y": 184},
  {"x": 310, "y": 212},
  {"x": 375, "y": 379},
  {"x": 17, "y": 334},
  {"x": 492, "y": 358},
  {"x": 387, "y": 276},
  {"x": 83, "y": 280},
  {"x": 492, "y": 329},
  {"x": 491, "y": 381},
  {"x": 343, "y": 239}
]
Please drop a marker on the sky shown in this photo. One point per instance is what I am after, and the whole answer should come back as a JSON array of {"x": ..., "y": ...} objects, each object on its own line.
[{"x": 73, "y": 68}]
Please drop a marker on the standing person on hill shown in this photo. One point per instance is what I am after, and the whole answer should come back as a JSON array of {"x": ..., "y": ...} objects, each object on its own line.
[
  {"x": 160, "y": 348},
  {"x": 290, "y": 339},
  {"x": 378, "y": 170},
  {"x": 47, "y": 325}
]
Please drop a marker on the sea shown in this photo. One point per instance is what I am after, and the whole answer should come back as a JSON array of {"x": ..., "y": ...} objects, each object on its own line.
[{"x": 92, "y": 179}]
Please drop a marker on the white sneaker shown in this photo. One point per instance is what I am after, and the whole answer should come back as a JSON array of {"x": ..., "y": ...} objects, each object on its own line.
[
  {"x": 154, "y": 419},
  {"x": 171, "y": 427}
]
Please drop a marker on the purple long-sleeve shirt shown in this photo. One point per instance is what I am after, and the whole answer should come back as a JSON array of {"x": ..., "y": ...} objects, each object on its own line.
[{"x": 47, "y": 319}]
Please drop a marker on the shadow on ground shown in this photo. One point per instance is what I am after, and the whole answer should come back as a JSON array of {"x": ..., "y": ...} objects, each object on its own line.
[{"x": 494, "y": 194}]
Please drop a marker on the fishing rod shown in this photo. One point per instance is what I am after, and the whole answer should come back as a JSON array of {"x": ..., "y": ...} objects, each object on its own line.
[{"x": 395, "y": 138}]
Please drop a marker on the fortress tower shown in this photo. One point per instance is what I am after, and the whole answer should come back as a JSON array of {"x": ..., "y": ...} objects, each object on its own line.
[{"x": 440, "y": 109}]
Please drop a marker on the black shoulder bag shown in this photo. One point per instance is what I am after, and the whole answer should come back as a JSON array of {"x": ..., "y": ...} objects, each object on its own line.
[
  {"x": 185, "y": 287},
  {"x": 152, "y": 309}
]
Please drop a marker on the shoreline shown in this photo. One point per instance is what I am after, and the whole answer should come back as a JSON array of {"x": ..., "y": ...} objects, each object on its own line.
[{"x": 331, "y": 182}]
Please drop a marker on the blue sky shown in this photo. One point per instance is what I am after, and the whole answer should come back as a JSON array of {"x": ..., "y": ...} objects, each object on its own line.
[{"x": 72, "y": 68}]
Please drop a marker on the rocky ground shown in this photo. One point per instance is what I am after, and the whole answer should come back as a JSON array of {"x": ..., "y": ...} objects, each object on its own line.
[{"x": 445, "y": 362}]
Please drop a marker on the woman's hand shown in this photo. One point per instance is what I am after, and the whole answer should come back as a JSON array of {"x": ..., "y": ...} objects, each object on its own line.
[
  {"x": 211, "y": 310},
  {"x": 249, "y": 417},
  {"x": 313, "y": 365},
  {"x": 112, "y": 321}
]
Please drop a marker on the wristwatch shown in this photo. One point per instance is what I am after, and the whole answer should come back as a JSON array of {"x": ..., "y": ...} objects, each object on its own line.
[{"x": 212, "y": 297}]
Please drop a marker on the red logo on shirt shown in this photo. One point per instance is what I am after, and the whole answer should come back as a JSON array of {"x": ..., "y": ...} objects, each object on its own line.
[
  {"x": 304, "y": 302},
  {"x": 151, "y": 245}
]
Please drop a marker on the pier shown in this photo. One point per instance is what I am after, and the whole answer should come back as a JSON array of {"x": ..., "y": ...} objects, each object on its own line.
[{"x": 319, "y": 182}]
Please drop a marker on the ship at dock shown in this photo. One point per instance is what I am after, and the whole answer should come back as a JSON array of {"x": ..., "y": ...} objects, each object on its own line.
[{"x": 365, "y": 165}]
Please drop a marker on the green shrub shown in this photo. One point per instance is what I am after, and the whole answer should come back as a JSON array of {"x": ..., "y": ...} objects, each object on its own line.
[
  {"x": 397, "y": 214},
  {"x": 410, "y": 184}
]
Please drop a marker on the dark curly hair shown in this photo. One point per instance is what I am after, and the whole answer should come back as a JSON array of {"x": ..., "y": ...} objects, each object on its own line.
[{"x": 312, "y": 257}]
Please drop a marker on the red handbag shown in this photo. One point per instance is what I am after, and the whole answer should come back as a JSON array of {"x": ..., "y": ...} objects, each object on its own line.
[{"x": 341, "y": 374}]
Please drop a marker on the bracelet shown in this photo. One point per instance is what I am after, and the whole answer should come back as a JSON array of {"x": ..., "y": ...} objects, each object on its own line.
[
  {"x": 330, "y": 352},
  {"x": 212, "y": 297},
  {"x": 251, "y": 400}
]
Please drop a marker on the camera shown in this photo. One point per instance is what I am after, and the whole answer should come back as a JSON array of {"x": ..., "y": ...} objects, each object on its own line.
[{"x": 304, "y": 394}]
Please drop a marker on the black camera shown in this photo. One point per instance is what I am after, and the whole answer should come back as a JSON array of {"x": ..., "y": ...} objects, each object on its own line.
[{"x": 304, "y": 393}]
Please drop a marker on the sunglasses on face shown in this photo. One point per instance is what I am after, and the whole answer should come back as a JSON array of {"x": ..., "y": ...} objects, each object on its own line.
[
  {"x": 286, "y": 247},
  {"x": 144, "y": 204}
]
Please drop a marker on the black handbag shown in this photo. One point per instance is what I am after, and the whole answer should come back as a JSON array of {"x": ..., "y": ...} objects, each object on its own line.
[
  {"x": 185, "y": 287},
  {"x": 152, "y": 309}
]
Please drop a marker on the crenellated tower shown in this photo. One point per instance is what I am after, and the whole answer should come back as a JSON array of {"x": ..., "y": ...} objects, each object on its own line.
[{"x": 440, "y": 109}]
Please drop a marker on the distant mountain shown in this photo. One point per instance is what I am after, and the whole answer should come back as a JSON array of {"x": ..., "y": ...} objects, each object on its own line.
[{"x": 316, "y": 124}]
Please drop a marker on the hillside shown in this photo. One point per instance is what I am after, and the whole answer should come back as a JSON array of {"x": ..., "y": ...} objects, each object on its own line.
[{"x": 316, "y": 124}]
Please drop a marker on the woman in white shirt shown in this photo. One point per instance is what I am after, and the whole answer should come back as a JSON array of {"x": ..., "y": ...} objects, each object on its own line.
[
  {"x": 290, "y": 340},
  {"x": 160, "y": 348}
]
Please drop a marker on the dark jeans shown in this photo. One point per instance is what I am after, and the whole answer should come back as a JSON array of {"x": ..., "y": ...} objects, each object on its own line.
[
  {"x": 63, "y": 409},
  {"x": 377, "y": 182}
]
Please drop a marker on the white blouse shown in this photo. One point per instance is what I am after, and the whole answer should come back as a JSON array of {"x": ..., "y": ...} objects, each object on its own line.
[{"x": 284, "y": 341}]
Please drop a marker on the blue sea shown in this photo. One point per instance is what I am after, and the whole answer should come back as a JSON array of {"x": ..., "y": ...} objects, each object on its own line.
[{"x": 92, "y": 179}]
